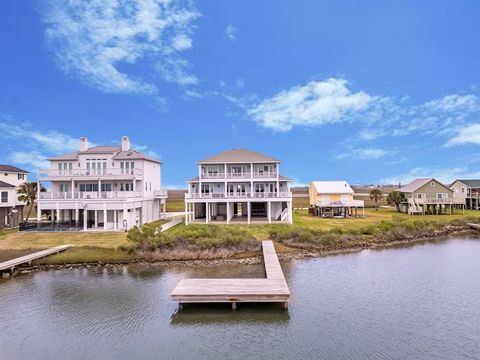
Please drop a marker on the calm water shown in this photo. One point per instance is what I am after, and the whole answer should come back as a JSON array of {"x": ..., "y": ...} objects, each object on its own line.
[{"x": 415, "y": 302}]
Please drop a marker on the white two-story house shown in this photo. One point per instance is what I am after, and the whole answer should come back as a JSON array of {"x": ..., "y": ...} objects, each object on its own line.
[
  {"x": 11, "y": 209},
  {"x": 102, "y": 187},
  {"x": 238, "y": 186}
]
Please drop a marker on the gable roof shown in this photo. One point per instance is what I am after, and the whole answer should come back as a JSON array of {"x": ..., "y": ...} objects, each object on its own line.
[
  {"x": 10, "y": 168},
  {"x": 418, "y": 183},
  {"x": 332, "y": 187},
  {"x": 3, "y": 184},
  {"x": 469, "y": 183},
  {"x": 238, "y": 156},
  {"x": 115, "y": 150}
]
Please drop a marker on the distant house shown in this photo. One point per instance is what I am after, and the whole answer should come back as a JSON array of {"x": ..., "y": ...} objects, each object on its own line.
[
  {"x": 469, "y": 190},
  {"x": 11, "y": 210},
  {"x": 429, "y": 196},
  {"x": 334, "y": 199}
]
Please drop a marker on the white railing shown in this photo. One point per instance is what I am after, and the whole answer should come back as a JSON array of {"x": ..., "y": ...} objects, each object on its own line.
[
  {"x": 277, "y": 214},
  {"x": 245, "y": 175},
  {"x": 89, "y": 172},
  {"x": 341, "y": 203},
  {"x": 284, "y": 214},
  {"x": 434, "y": 200},
  {"x": 49, "y": 195},
  {"x": 170, "y": 224},
  {"x": 246, "y": 195},
  {"x": 160, "y": 193}
]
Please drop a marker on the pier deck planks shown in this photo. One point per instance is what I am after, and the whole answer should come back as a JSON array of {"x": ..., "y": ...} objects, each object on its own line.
[
  {"x": 11, "y": 264},
  {"x": 273, "y": 288}
]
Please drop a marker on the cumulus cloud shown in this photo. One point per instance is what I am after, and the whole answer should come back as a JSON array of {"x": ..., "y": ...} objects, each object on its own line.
[
  {"x": 313, "y": 104},
  {"x": 31, "y": 159},
  {"x": 98, "y": 41},
  {"x": 330, "y": 101}
]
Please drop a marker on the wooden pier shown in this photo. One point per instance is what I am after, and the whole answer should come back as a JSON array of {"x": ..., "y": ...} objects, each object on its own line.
[
  {"x": 272, "y": 289},
  {"x": 10, "y": 265}
]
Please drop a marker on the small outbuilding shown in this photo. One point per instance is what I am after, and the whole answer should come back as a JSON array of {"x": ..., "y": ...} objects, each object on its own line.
[{"x": 334, "y": 199}]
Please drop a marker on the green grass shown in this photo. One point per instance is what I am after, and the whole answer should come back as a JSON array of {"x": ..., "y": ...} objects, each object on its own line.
[
  {"x": 87, "y": 254},
  {"x": 175, "y": 205}
]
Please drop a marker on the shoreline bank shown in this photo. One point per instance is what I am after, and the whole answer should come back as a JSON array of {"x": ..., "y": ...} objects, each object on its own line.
[{"x": 291, "y": 254}]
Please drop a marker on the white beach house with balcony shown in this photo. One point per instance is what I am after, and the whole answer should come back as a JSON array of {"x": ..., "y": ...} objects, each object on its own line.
[
  {"x": 102, "y": 187},
  {"x": 238, "y": 186}
]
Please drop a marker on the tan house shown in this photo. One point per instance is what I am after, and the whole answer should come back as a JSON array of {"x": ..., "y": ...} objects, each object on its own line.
[
  {"x": 334, "y": 199},
  {"x": 469, "y": 191},
  {"x": 429, "y": 196}
]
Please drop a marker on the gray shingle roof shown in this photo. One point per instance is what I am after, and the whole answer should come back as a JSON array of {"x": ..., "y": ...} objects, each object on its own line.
[
  {"x": 10, "y": 168},
  {"x": 417, "y": 184},
  {"x": 131, "y": 154},
  {"x": 238, "y": 156},
  {"x": 470, "y": 183},
  {"x": 5, "y": 185}
]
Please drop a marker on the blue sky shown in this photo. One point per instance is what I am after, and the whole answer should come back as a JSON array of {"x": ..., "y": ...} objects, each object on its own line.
[{"x": 368, "y": 92}]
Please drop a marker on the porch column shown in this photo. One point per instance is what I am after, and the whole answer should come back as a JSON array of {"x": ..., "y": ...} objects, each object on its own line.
[
  {"x": 76, "y": 214},
  {"x": 115, "y": 219},
  {"x": 187, "y": 213},
  {"x": 85, "y": 212},
  {"x": 207, "y": 212},
  {"x": 96, "y": 218},
  {"x": 134, "y": 183},
  {"x": 105, "y": 216},
  {"x": 58, "y": 213},
  {"x": 269, "y": 212},
  {"x": 248, "y": 213},
  {"x": 164, "y": 208},
  {"x": 73, "y": 189},
  {"x": 290, "y": 217},
  {"x": 99, "y": 191},
  {"x": 39, "y": 214},
  {"x": 228, "y": 213}
]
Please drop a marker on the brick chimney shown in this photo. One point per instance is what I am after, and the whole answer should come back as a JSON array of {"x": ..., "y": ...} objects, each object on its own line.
[
  {"x": 125, "y": 143},
  {"x": 83, "y": 144}
]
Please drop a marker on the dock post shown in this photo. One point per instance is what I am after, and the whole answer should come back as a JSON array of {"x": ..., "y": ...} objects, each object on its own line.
[{"x": 234, "y": 306}]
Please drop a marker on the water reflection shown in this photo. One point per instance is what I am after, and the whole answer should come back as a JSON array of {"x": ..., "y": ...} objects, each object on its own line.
[{"x": 247, "y": 313}]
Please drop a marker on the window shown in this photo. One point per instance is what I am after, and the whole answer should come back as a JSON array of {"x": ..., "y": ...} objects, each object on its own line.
[
  {"x": 106, "y": 187},
  {"x": 63, "y": 187},
  {"x": 21, "y": 176},
  {"x": 4, "y": 196},
  {"x": 127, "y": 168},
  {"x": 88, "y": 187},
  {"x": 432, "y": 183},
  {"x": 206, "y": 189}
]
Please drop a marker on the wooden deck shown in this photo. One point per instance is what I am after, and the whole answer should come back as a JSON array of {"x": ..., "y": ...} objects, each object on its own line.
[
  {"x": 10, "y": 265},
  {"x": 272, "y": 289}
]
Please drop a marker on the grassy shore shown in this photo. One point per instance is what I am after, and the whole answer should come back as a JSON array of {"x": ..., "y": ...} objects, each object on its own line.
[{"x": 223, "y": 241}]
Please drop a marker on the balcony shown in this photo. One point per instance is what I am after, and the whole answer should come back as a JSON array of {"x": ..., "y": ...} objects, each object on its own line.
[
  {"x": 245, "y": 175},
  {"x": 87, "y": 195},
  {"x": 89, "y": 173},
  {"x": 161, "y": 194},
  {"x": 236, "y": 195},
  {"x": 437, "y": 201}
]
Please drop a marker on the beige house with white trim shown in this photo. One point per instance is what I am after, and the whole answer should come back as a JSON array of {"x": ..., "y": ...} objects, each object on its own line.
[{"x": 429, "y": 196}]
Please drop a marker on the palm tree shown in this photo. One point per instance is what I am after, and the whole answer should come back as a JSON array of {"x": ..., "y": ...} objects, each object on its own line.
[
  {"x": 376, "y": 195},
  {"x": 27, "y": 193},
  {"x": 394, "y": 198}
]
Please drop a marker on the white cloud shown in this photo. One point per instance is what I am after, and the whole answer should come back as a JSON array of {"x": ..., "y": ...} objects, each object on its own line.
[
  {"x": 144, "y": 149},
  {"x": 32, "y": 159},
  {"x": 99, "y": 40},
  {"x": 313, "y": 104},
  {"x": 466, "y": 135},
  {"x": 364, "y": 154},
  {"x": 454, "y": 104},
  {"x": 48, "y": 140},
  {"x": 445, "y": 175},
  {"x": 231, "y": 32}
]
